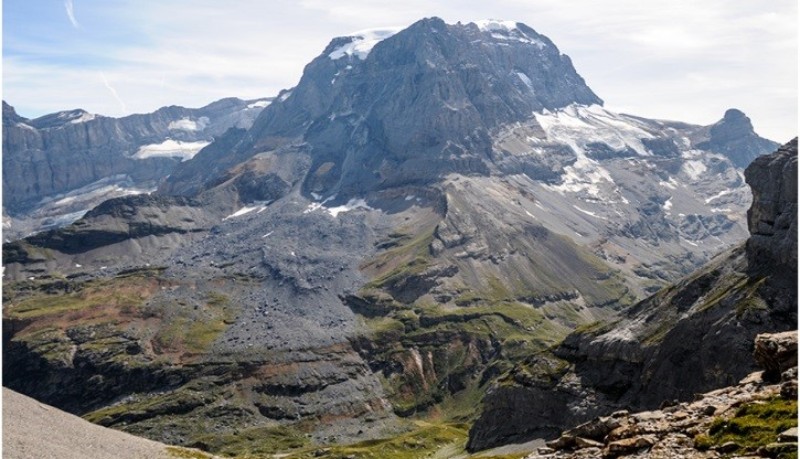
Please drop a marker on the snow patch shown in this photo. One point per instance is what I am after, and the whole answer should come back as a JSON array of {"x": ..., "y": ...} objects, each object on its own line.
[
  {"x": 525, "y": 80},
  {"x": 257, "y": 206},
  {"x": 187, "y": 124},
  {"x": 618, "y": 335},
  {"x": 694, "y": 169},
  {"x": 352, "y": 204},
  {"x": 25, "y": 126},
  {"x": 171, "y": 148},
  {"x": 671, "y": 183},
  {"x": 242, "y": 211},
  {"x": 667, "y": 204},
  {"x": 587, "y": 212},
  {"x": 492, "y": 25},
  {"x": 313, "y": 207},
  {"x": 362, "y": 42},
  {"x": 83, "y": 118},
  {"x": 718, "y": 195},
  {"x": 259, "y": 104},
  {"x": 507, "y": 31}
]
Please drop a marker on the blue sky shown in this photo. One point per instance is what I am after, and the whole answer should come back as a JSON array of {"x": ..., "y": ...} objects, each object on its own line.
[{"x": 682, "y": 60}]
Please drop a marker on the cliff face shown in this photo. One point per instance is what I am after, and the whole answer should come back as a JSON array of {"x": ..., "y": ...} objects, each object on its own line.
[
  {"x": 59, "y": 165},
  {"x": 772, "y": 219},
  {"x": 688, "y": 338}
]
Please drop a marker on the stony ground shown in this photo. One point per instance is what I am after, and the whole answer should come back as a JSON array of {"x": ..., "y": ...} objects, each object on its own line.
[
  {"x": 755, "y": 418},
  {"x": 32, "y": 430}
]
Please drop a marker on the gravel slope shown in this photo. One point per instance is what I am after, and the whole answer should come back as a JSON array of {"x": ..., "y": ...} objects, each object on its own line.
[{"x": 32, "y": 430}]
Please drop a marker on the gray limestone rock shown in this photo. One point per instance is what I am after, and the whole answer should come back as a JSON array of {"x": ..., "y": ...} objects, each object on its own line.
[
  {"x": 772, "y": 219},
  {"x": 733, "y": 136},
  {"x": 60, "y": 165}
]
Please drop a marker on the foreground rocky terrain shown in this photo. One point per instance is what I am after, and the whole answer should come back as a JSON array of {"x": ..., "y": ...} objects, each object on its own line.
[
  {"x": 411, "y": 226},
  {"x": 755, "y": 418},
  {"x": 58, "y": 166}
]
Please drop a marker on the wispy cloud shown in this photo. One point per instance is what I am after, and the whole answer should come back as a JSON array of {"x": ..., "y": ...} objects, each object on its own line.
[
  {"x": 71, "y": 13},
  {"x": 114, "y": 93}
]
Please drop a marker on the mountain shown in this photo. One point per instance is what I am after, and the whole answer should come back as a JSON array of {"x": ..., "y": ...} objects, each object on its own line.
[
  {"x": 424, "y": 211},
  {"x": 690, "y": 337},
  {"x": 58, "y": 166},
  {"x": 733, "y": 137}
]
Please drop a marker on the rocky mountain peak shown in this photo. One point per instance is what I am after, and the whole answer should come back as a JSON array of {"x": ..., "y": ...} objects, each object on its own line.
[
  {"x": 410, "y": 105},
  {"x": 62, "y": 118},
  {"x": 734, "y": 137},
  {"x": 10, "y": 116},
  {"x": 734, "y": 115}
]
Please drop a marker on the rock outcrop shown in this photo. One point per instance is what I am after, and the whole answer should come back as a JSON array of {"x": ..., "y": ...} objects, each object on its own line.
[
  {"x": 694, "y": 430},
  {"x": 733, "y": 136},
  {"x": 772, "y": 219},
  {"x": 776, "y": 353}
]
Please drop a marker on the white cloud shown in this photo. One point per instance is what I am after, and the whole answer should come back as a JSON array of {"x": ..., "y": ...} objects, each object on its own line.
[
  {"x": 113, "y": 93},
  {"x": 71, "y": 13}
]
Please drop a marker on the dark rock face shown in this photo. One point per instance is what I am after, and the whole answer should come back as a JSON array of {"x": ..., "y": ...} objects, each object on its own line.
[
  {"x": 733, "y": 136},
  {"x": 120, "y": 219},
  {"x": 772, "y": 219}
]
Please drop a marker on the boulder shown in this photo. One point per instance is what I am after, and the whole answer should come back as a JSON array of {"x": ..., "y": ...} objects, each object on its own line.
[{"x": 776, "y": 353}]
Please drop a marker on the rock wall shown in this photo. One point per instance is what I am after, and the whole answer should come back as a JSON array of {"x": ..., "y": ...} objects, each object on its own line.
[
  {"x": 64, "y": 151},
  {"x": 772, "y": 219}
]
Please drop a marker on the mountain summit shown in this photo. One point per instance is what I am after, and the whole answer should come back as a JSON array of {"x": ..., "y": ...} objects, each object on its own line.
[{"x": 413, "y": 105}]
